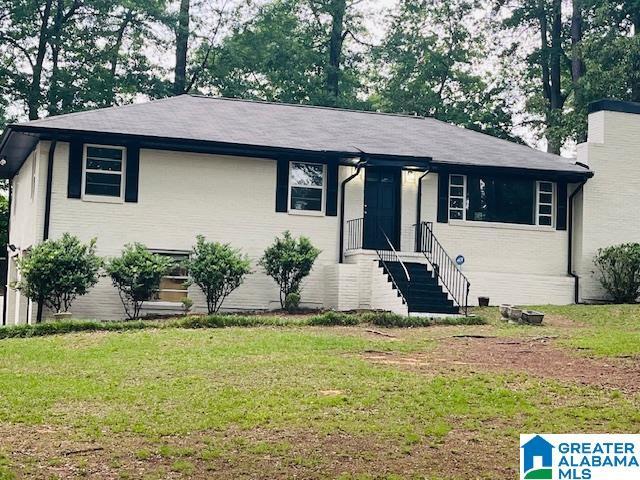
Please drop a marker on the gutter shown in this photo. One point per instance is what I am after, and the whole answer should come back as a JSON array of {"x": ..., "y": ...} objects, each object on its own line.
[
  {"x": 6, "y": 250},
  {"x": 570, "y": 272},
  {"x": 47, "y": 210},
  {"x": 419, "y": 209},
  {"x": 343, "y": 186}
]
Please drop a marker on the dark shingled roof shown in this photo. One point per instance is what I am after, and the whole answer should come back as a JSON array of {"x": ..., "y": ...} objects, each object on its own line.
[{"x": 262, "y": 124}]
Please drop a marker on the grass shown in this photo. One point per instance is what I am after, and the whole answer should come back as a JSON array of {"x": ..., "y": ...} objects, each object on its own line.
[
  {"x": 384, "y": 319},
  {"x": 602, "y": 330},
  {"x": 300, "y": 400}
]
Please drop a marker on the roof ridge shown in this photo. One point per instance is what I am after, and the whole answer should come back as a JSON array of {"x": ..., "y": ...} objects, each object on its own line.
[
  {"x": 112, "y": 107},
  {"x": 302, "y": 105}
]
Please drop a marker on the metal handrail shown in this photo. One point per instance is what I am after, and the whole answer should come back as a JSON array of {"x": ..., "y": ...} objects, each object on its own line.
[
  {"x": 386, "y": 254},
  {"x": 395, "y": 255},
  {"x": 444, "y": 267}
]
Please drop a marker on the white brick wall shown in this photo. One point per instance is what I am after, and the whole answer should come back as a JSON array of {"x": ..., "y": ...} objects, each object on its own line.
[
  {"x": 608, "y": 211},
  {"x": 232, "y": 199}
]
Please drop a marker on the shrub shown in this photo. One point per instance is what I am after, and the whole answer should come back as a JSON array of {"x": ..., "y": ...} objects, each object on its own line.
[
  {"x": 619, "y": 271},
  {"x": 218, "y": 269},
  {"x": 55, "y": 272},
  {"x": 334, "y": 318},
  {"x": 288, "y": 261},
  {"x": 137, "y": 274},
  {"x": 187, "y": 304},
  {"x": 292, "y": 302}
]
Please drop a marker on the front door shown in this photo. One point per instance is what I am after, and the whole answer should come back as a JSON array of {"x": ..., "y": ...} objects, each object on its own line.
[{"x": 381, "y": 208}]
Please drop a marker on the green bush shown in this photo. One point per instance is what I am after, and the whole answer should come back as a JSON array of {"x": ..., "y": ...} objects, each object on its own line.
[
  {"x": 288, "y": 261},
  {"x": 55, "y": 272},
  {"x": 218, "y": 269},
  {"x": 619, "y": 271},
  {"x": 334, "y": 318},
  {"x": 136, "y": 273},
  {"x": 292, "y": 302}
]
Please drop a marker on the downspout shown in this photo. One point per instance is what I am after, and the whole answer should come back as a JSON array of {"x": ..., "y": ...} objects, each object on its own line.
[
  {"x": 576, "y": 288},
  {"x": 47, "y": 210},
  {"x": 343, "y": 186},
  {"x": 6, "y": 250},
  {"x": 419, "y": 209}
]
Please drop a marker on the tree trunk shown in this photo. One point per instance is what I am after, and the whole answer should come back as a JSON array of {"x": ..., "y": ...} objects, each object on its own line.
[
  {"x": 577, "y": 63},
  {"x": 115, "y": 53},
  {"x": 33, "y": 96},
  {"x": 338, "y": 10},
  {"x": 555, "y": 98},
  {"x": 182, "y": 44},
  {"x": 635, "y": 62}
]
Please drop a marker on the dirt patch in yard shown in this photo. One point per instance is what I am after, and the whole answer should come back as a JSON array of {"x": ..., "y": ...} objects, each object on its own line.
[
  {"x": 535, "y": 356},
  {"x": 44, "y": 452}
]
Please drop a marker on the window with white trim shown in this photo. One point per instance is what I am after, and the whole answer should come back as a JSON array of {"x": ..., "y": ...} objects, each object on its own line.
[
  {"x": 103, "y": 171},
  {"x": 306, "y": 186},
  {"x": 173, "y": 286},
  {"x": 545, "y": 195},
  {"x": 457, "y": 197}
]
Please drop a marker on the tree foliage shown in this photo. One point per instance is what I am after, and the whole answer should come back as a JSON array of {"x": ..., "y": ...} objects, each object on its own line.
[
  {"x": 619, "y": 271},
  {"x": 218, "y": 269},
  {"x": 288, "y": 261},
  {"x": 427, "y": 63},
  {"x": 136, "y": 274},
  {"x": 56, "y": 272}
]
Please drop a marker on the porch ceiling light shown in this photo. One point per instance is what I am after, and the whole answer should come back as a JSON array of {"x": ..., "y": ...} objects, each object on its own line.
[{"x": 3, "y": 161}]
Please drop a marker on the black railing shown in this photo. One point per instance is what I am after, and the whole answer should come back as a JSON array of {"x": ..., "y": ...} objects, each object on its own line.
[
  {"x": 386, "y": 256},
  {"x": 446, "y": 269},
  {"x": 355, "y": 233}
]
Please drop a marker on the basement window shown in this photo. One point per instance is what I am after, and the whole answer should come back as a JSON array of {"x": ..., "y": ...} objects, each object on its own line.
[
  {"x": 103, "y": 171},
  {"x": 173, "y": 286},
  {"x": 306, "y": 187}
]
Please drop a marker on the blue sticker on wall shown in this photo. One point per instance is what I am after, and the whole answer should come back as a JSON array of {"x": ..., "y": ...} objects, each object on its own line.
[{"x": 460, "y": 259}]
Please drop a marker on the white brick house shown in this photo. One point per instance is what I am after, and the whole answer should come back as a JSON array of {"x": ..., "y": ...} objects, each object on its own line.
[{"x": 418, "y": 193}]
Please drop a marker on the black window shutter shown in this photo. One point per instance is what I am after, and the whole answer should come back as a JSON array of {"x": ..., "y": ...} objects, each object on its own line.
[
  {"x": 74, "y": 184},
  {"x": 443, "y": 197},
  {"x": 282, "y": 185},
  {"x": 332, "y": 188},
  {"x": 561, "y": 208},
  {"x": 132, "y": 173}
]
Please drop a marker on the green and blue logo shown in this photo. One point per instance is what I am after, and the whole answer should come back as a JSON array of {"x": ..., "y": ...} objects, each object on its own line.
[{"x": 536, "y": 459}]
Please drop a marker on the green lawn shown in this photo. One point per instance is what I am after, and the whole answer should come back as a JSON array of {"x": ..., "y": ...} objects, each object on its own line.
[{"x": 273, "y": 402}]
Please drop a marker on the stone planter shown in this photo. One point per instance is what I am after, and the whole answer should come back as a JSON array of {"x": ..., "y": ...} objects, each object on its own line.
[
  {"x": 483, "y": 301},
  {"x": 505, "y": 310},
  {"x": 532, "y": 317},
  {"x": 515, "y": 313},
  {"x": 62, "y": 316}
]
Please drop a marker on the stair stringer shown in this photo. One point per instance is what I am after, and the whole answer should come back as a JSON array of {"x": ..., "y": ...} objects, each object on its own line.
[{"x": 383, "y": 295}]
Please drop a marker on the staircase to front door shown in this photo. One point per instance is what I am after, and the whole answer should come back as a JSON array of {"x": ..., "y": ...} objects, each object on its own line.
[{"x": 421, "y": 291}]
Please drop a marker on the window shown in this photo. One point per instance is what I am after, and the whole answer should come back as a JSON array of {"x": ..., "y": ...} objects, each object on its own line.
[
  {"x": 457, "y": 197},
  {"x": 103, "y": 169},
  {"x": 481, "y": 198},
  {"x": 545, "y": 197},
  {"x": 173, "y": 286},
  {"x": 306, "y": 186}
]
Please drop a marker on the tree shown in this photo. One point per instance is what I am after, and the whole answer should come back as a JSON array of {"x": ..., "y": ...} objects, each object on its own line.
[
  {"x": 425, "y": 66},
  {"x": 137, "y": 274},
  {"x": 218, "y": 269},
  {"x": 56, "y": 272},
  {"x": 288, "y": 261},
  {"x": 182, "y": 47},
  {"x": 295, "y": 51}
]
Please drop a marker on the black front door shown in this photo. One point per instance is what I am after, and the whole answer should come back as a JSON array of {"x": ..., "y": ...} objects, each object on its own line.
[{"x": 381, "y": 208}]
